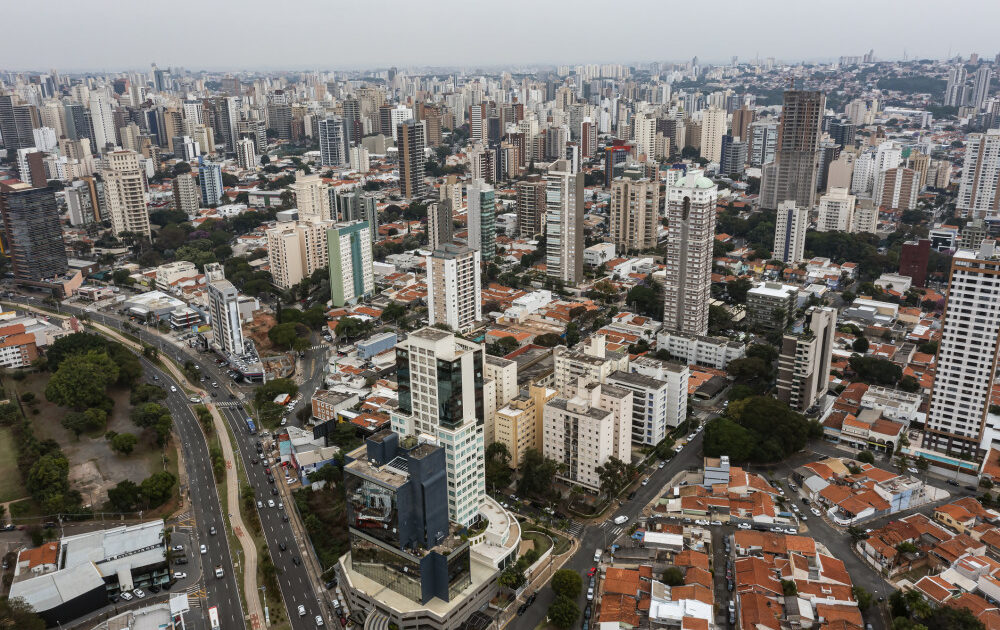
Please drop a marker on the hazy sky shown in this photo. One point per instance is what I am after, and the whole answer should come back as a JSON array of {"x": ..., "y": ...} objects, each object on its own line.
[{"x": 307, "y": 34}]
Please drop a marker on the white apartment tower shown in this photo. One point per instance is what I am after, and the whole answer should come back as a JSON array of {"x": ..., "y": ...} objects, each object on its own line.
[
  {"x": 312, "y": 196},
  {"x": 333, "y": 146},
  {"x": 967, "y": 356},
  {"x": 454, "y": 293},
  {"x": 790, "y": 232},
  {"x": 440, "y": 400},
  {"x": 125, "y": 192},
  {"x": 836, "y": 211},
  {"x": 297, "y": 249},
  {"x": 977, "y": 191},
  {"x": 246, "y": 153},
  {"x": 102, "y": 119},
  {"x": 634, "y": 213},
  {"x": 564, "y": 194},
  {"x": 691, "y": 232},
  {"x": 224, "y": 309},
  {"x": 713, "y": 127}
]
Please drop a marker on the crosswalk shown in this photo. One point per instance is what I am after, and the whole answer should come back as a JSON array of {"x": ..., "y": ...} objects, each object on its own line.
[
  {"x": 195, "y": 595},
  {"x": 613, "y": 530},
  {"x": 575, "y": 529},
  {"x": 229, "y": 403}
]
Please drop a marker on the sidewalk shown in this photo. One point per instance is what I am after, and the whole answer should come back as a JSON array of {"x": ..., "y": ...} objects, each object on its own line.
[{"x": 236, "y": 522}]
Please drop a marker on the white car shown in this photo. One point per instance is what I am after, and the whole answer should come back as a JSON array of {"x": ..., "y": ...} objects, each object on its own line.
[
  {"x": 126, "y": 596},
  {"x": 281, "y": 505},
  {"x": 816, "y": 512},
  {"x": 319, "y": 621},
  {"x": 204, "y": 549},
  {"x": 803, "y": 518},
  {"x": 590, "y": 594},
  {"x": 178, "y": 547},
  {"x": 284, "y": 421},
  {"x": 662, "y": 464},
  {"x": 716, "y": 523},
  {"x": 645, "y": 481},
  {"x": 138, "y": 593},
  {"x": 179, "y": 575},
  {"x": 302, "y": 610},
  {"x": 260, "y": 504},
  {"x": 743, "y": 526},
  {"x": 791, "y": 530},
  {"x": 173, "y": 389},
  {"x": 270, "y": 503},
  {"x": 195, "y": 399},
  {"x": 701, "y": 521}
]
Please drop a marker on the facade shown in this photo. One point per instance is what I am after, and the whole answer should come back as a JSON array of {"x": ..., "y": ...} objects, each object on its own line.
[
  {"x": 531, "y": 207},
  {"x": 713, "y": 128},
  {"x": 797, "y": 152},
  {"x": 715, "y": 352},
  {"x": 977, "y": 190},
  {"x": 900, "y": 188},
  {"x": 790, "y": 227},
  {"x": 564, "y": 223},
  {"x": 586, "y": 430},
  {"x": 333, "y": 142},
  {"x": 296, "y": 249},
  {"x": 246, "y": 153},
  {"x": 440, "y": 394},
  {"x": 440, "y": 224},
  {"x": 350, "y": 257},
  {"x": 518, "y": 424},
  {"x": 312, "y": 197},
  {"x": 482, "y": 219},
  {"x": 32, "y": 232},
  {"x": 771, "y": 306},
  {"x": 763, "y": 142},
  {"x": 634, "y": 213},
  {"x": 913, "y": 259},
  {"x": 224, "y": 310},
  {"x": 691, "y": 233},
  {"x": 125, "y": 193},
  {"x": 804, "y": 360},
  {"x": 586, "y": 363},
  {"x": 734, "y": 156},
  {"x": 454, "y": 293},
  {"x": 967, "y": 355},
  {"x": 410, "y": 142},
  {"x": 836, "y": 211},
  {"x": 210, "y": 180},
  {"x": 187, "y": 197},
  {"x": 650, "y": 404}
]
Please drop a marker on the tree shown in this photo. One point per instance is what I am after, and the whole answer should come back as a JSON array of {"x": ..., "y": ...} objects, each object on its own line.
[
  {"x": 393, "y": 311},
  {"x": 125, "y": 496},
  {"x": 82, "y": 380},
  {"x": 672, "y": 576},
  {"x": 123, "y": 443},
  {"x": 756, "y": 429},
  {"x": 563, "y": 612},
  {"x": 719, "y": 319},
  {"x": 17, "y": 614},
  {"x": 614, "y": 475},
  {"x": 512, "y": 578},
  {"x": 752, "y": 372},
  {"x": 284, "y": 335},
  {"x": 907, "y": 547},
  {"x": 157, "y": 488},
  {"x": 788, "y": 587},
  {"x": 875, "y": 371},
  {"x": 856, "y": 533},
  {"x": 909, "y": 384},
  {"x": 498, "y": 472},
  {"x": 572, "y": 334},
  {"x": 737, "y": 290},
  {"x": 866, "y": 457},
  {"x": 548, "y": 340},
  {"x": 860, "y": 345},
  {"x": 567, "y": 583},
  {"x": 537, "y": 474},
  {"x": 922, "y": 464},
  {"x": 156, "y": 417},
  {"x": 863, "y": 597}
]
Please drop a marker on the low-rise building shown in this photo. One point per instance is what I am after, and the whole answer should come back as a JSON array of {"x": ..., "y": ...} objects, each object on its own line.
[
  {"x": 771, "y": 306},
  {"x": 715, "y": 352}
]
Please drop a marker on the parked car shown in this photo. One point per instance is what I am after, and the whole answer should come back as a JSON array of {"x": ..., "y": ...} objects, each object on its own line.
[
  {"x": 138, "y": 593},
  {"x": 126, "y": 596},
  {"x": 179, "y": 575},
  {"x": 178, "y": 547},
  {"x": 319, "y": 621},
  {"x": 743, "y": 526}
]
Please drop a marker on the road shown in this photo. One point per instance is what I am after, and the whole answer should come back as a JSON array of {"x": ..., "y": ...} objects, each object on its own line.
[{"x": 294, "y": 580}]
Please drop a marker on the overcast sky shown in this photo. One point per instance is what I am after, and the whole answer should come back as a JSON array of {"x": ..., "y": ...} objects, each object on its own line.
[{"x": 308, "y": 34}]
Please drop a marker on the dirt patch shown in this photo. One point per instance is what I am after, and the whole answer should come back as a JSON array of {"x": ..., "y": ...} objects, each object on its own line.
[{"x": 257, "y": 330}]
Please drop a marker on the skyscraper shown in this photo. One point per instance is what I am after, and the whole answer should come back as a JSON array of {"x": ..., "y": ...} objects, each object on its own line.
[
  {"x": 836, "y": 211},
  {"x": 440, "y": 226},
  {"x": 564, "y": 223},
  {"x": 246, "y": 153},
  {"x": 977, "y": 192},
  {"x": 103, "y": 120},
  {"x": 900, "y": 188},
  {"x": 125, "y": 193},
  {"x": 297, "y": 249},
  {"x": 634, "y": 213},
  {"x": 763, "y": 141},
  {"x": 482, "y": 219},
  {"x": 530, "y": 206},
  {"x": 210, "y": 180},
  {"x": 804, "y": 360},
  {"x": 187, "y": 197},
  {"x": 32, "y": 232},
  {"x": 410, "y": 143},
  {"x": 351, "y": 275},
  {"x": 333, "y": 142},
  {"x": 981, "y": 86},
  {"x": 790, "y": 232},
  {"x": 913, "y": 259},
  {"x": 440, "y": 394},
  {"x": 954, "y": 93},
  {"x": 224, "y": 309},
  {"x": 797, "y": 152},
  {"x": 713, "y": 127},
  {"x": 15, "y": 124},
  {"x": 967, "y": 354},
  {"x": 690, "y": 234},
  {"x": 454, "y": 293}
]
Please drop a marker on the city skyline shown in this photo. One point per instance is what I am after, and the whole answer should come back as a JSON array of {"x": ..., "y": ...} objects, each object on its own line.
[{"x": 412, "y": 44}]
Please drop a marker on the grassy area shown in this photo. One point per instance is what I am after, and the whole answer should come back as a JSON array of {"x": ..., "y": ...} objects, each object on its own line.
[
  {"x": 324, "y": 514},
  {"x": 11, "y": 487},
  {"x": 562, "y": 543},
  {"x": 540, "y": 540}
]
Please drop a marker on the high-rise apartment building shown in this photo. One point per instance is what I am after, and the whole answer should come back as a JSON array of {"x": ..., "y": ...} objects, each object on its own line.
[
  {"x": 734, "y": 156},
  {"x": 967, "y": 355},
  {"x": 981, "y": 86},
  {"x": 519, "y": 422},
  {"x": 713, "y": 127},
  {"x": 187, "y": 197},
  {"x": 644, "y": 133},
  {"x": 246, "y": 153},
  {"x": 350, "y": 259},
  {"x": 634, "y": 213},
  {"x": 900, "y": 189},
  {"x": 32, "y": 232},
  {"x": 333, "y": 142},
  {"x": 125, "y": 192},
  {"x": 797, "y": 153},
  {"x": 836, "y": 211},
  {"x": 771, "y": 306},
  {"x": 312, "y": 196},
  {"x": 482, "y": 219},
  {"x": 690, "y": 234},
  {"x": 913, "y": 259},
  {"x": 210, "y": 180},
  {"x": 977, "y": 192},
  {"x": 354, "y": 205},
  {"x": 742, "y": 118},
  {"x": 440, "y": 224},
  {"x": 763, "y": 142},
  {"x": 296, "y": 249},
  {"x": 224, "y": 310},
  {"x": 564, "y": 199},
  {"x": 410, "y": 143},
  {"x": 954, "y": 92},
  {"x": 804, "y": 360},
  {"x": 531, "y": 207},
  {"x": 440, "y": 394},
  {"x": 790, "y": 226},
  {"x": 103, "y": 120},
  {"x": 454, "y": 293},
  {"x": 15, "y": 124}
]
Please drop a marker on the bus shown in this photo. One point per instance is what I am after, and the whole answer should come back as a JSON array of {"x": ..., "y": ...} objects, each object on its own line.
[
  {"x": 251, "y": 428},
  {"x": 213, "y": 617}
]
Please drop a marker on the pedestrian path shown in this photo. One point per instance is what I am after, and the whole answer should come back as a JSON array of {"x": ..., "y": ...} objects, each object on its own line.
[
  {"x": 575, "y": 529},
  {"x": 195, "y": 595},
  {"x": 229, "y": 403},
  {"x": 613, "y": 530}
]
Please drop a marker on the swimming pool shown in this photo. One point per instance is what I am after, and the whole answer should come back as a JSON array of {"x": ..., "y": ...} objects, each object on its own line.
[{"x": 942, "y": 459}]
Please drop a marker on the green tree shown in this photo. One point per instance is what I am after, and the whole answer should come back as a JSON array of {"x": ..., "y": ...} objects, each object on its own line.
[
  {"x": 860, "y": 345},
  {"x": 284, "y": 335},
  {"x": 156, "y": 417},
  {"x": 863, "y": 597},
  {"x": 866, "y": 457},
  {"x": 17, "y": 614},
  {"x": 157, "y": 488},
  {"x": 563, "y": 612},
  {"x": 788, "y": 588},
  {"x": 614, "y": 475},
  {"x": 672, "y": 576},
  {"x": 125, "y": 496},
  {"x": 875, "y": 371},
  {"x": 123, "y": 443},
  {"x": 548, "y": 340},
  {"x": 512, "y": 578},
  {"x": 738, "y": 289},
  {"x": 498, "y": 472},
  {"x": 537, "y": 474},
  {"x": 725, "y": 437},
  {"x": 856, "y": 533},
  {"x": 567, "y": 583},
  {"x": 82, "y": 380}
]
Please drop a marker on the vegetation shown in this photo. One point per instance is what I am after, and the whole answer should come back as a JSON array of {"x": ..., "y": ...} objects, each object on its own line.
[
  {"x": 153, "y": 492},
  {"x": 537, "y": 474},
  {"x": 498, "y": 472},
  {"x": 563, "y": 612},
  {"x": 758, "y": 429},
  {"x": 324, "y": 514},
  {"x": 17, "y": 614},
  {"x": 567, "y": 583},
  {"x": 875, "y": 371},
  {"x": 672, "y": 576}
]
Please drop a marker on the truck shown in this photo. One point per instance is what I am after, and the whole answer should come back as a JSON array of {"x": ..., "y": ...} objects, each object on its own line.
[
  {"x": 218, "y": 571},
  {"x": 251, "y": 427}
]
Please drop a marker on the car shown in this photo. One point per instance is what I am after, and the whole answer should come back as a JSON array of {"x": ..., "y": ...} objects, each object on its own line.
[
  {"x": 330, "y": 585},
  {"x": 803, "y": 518},
  {"x": 267, "y": 469},
  {"x": 716, "y": 523},
  {"x": 343, "y": 621},
  {"x": 204, "y": 550},
  {"x": 816, "y": 512},
  {"x": 690, "y": 437},
  {"x": 155, "y": 377},
  {"x": 729, "y": 585},
  {"x": 215, "y": 385},
  {"x": 661, "y": 464},
  {"x": 211, "y": 530},
  {"x": 180, "y": 560},
  {"x": 126, "y": 596},
  {"x": 270, "y": 503},
  {"x": 520, "y": 609},
  {"x": 952, "y": 482},
  {"x": 701, "y": 521},
  {"x": 173, "y": 388},
  {"x": 805, "y": 501},
  {"x": 179, "y": 575},
  {"x": 590, "y": 594},
  {"x": 283, "y": 546},
  {"x": 283, "y": 422},
  {"x": 302, "y": 610},
  {"x": 319, "y": 621},
  {"x": 253, "y": 460},
  {"x": 645, "y": 481},
  {"x": 153, "y": 588},
  {"x": 586, "y": 612},
  {"x": 621, "y": 519},
  {"x": 178, "y": 547},
  {"x": 912, "y": 470},
  {"x": 592, "y": 572},
  {"x": 281, "y": 505},
  {"x": 138, "y": 593},
  {"x": 195, "y": 399},
  {"x": 270, "y": 479},
  {"x": 778, "y": 530},
  {"x": 869, "y": 531},
  {"x": 791, "y": 530},
  {"x": 296, "y": 561},
  {"x": 274, "y": 491},
  {"x": 284, "y": 517},
  {"x": 260, "y": 504},
  {"x": 201, "y": 380}
]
